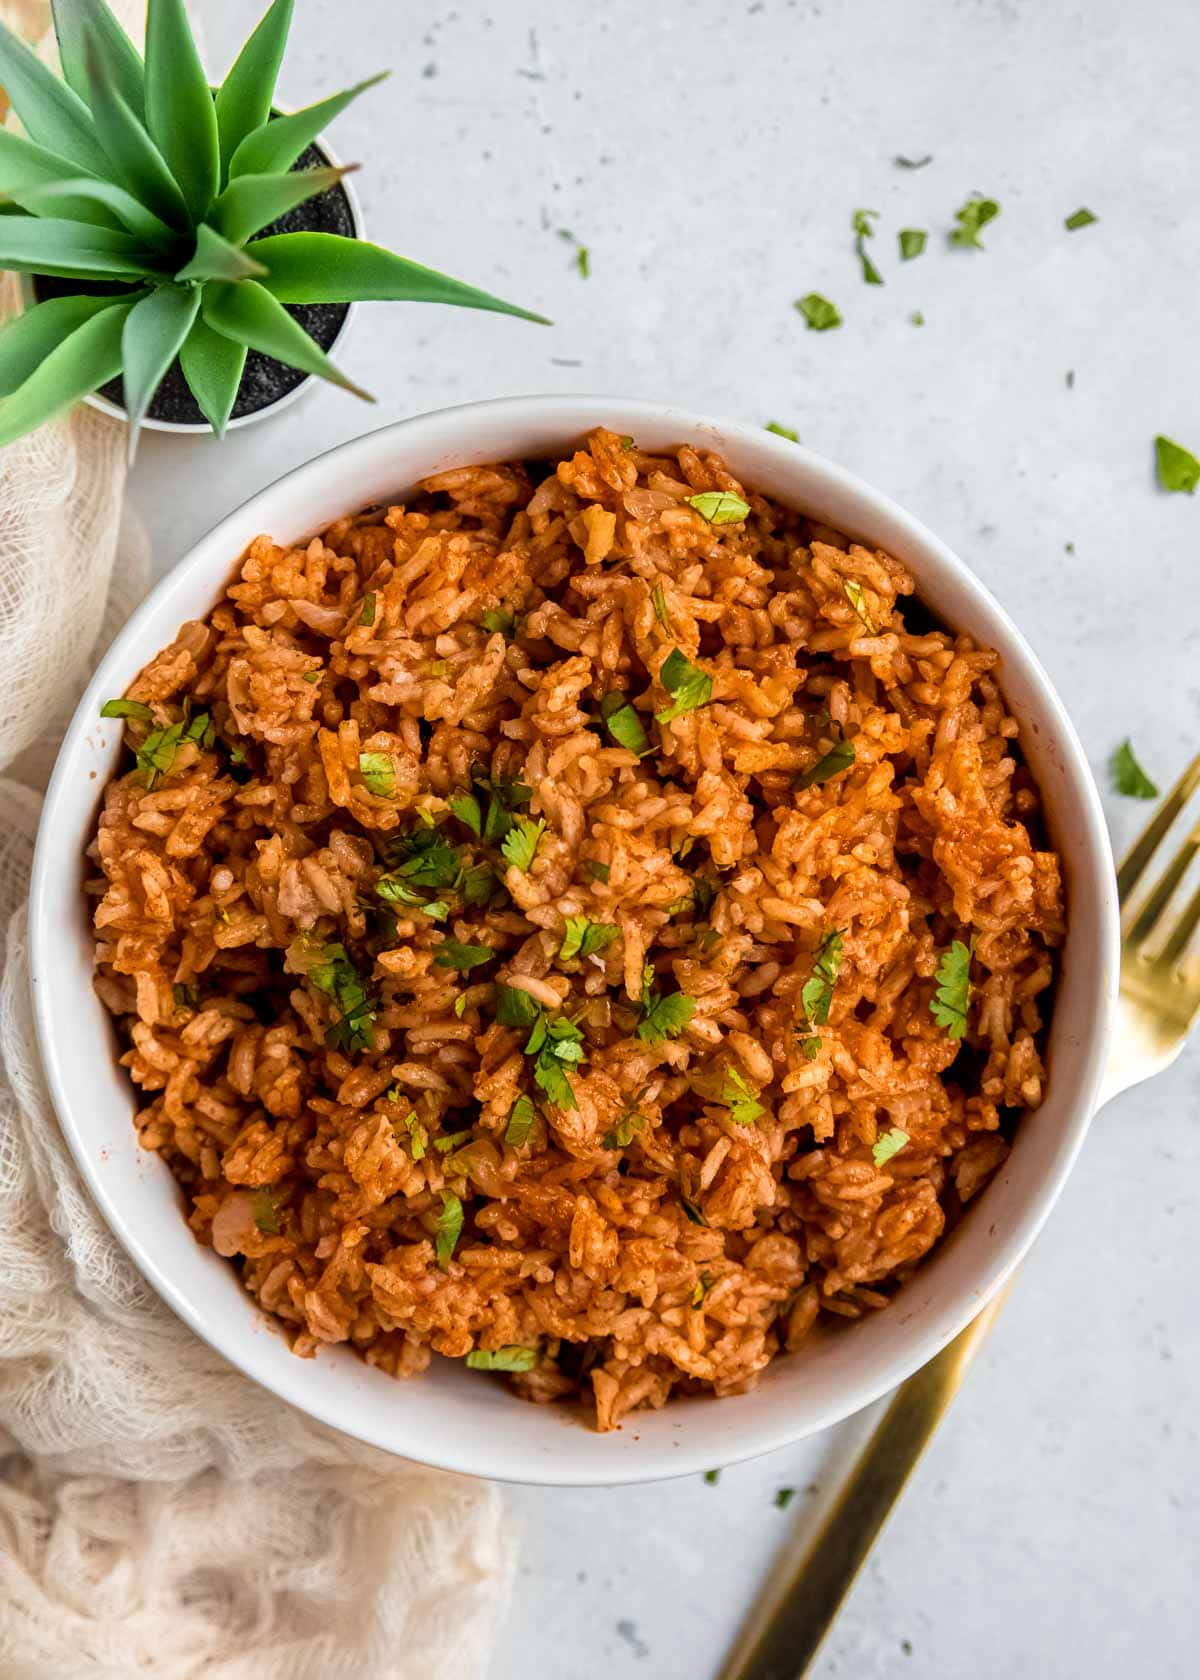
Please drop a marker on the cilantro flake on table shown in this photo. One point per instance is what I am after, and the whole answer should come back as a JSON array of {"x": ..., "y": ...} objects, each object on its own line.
[
  {"x": 1178, "y": 468},
  {"x": 1128, "y": 777},
  {"x": 974, "y": 216},
  {"x": 819, "y": 314}
]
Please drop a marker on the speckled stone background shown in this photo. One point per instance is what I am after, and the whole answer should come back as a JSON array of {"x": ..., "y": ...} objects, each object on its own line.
[{"x": 709, "y": 153}]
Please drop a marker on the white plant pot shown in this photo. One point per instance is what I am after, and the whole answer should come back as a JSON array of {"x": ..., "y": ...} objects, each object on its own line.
[{"x": 199, "y": 427}]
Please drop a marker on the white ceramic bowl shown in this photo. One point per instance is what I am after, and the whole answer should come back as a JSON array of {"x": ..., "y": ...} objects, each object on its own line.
[{"x": 452, "y": 1417}]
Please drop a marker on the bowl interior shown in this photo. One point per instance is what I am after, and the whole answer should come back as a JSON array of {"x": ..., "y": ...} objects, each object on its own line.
[{"x": 452, "y": 1417}]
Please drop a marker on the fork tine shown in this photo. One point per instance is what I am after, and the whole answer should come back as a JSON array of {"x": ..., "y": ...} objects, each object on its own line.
[
  {"x": 1143, "y": 850},
  {"x": 1151, "y": 912},
  {"x": 1182, "y": 932}
]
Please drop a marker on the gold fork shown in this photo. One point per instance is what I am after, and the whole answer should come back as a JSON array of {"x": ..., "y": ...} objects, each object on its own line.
[{"x": 1160, "y": 999}]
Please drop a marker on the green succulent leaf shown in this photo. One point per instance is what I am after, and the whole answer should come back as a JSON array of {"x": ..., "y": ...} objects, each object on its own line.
[
  {"x": 80, "y": 22},
  {"x": 244, "y": 98},
  {"x": 327, "y": 268},
  {"x": 275, "y": 146},
  {"x": 28, "y": 339},
  {"x": 79, "y": 364},
  {"x": 153, "y": 333},
  {"x": 80, "y": 195},
  {"x": 247, "y": 313},
  {"x": 252, "y": 201},
  {"x": 216, "y": 259},
  {"x": 212, "y": 365},
  {"x": 29, "y": 171},
  {"x": 129, "y": 150},
  {"x": 52, "y": 114},
  {"x": 48, "y": 245},
  {"x": 180, "y": 114}
]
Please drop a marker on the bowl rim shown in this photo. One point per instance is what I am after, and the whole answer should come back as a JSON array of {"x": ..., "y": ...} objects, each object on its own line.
[{"x": 214, "y": 556}]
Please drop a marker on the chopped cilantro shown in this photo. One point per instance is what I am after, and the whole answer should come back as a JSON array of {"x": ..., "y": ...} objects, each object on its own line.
[
  {"x": 913, "y": 163},
  {"x": 598, "y": 871},
  {"x": 720, "y": 507},
  {"x": 917, "y": 318},
  {"x": 819, "y": 314},
  {"x": 889, "y": 1143},
  {"x": 418, "y": 1136},
  {"x": 336, "y": 976},
  {"x": 659, "y": 602},
  {"x": 839, "y": 757},
  {"x": 1079, "y": 219},
  {"x": 856, "y": 598},
  {"x": 626, "y": 442},
  {"x": 783, "y": 431},
  {"x": 861, "y": 223},
  {"x": 712, "y": 1477},
  {"x": 520, "y": 1123},
  {"x": 378, "y": 773},
  {"x": 1178, "y": 468},
  {"x": 465, "y": 807},
  {"x": 974, "y": 216},
  {"x": 784, "y": 1497},
  {"x": 556, "y": 1044},
  {"x": 701, "y": 1288},
  {"x": 742, "y": 1103},
  {"x": 912, "y": 243},
  {"x": 697, "y": 1217},
  {"x": 583, "y": 937},
  {"x": 498, "y": 621},
  {"x": 623, "y": 723},
  {"x": 266, "y": 1213},
  {"x": 625, "y": 1130},
  {"x": 315, "y": 677},
  {"x": 450, "y": 1140},
  {"x": 816, "y": 995},
  {"x": 394, "y": 891},
  {"x": 505, "y": 796},
  {"x": 1128, "y": 777},
  {"x": 156, "y": 755},
  {"x": 448, "y": 1228},
  {"x": 460, "y": 1005},
  {"x": 515, "y": 1008},
  {"x": 367, "y": 615},
  {"x": 425, "y": 858},
  {"x": 502, "y": 1359},
  {"x": 688, "y": 685},
  {"x": 451, "y": 953},
  {"x": 664, "y": 1017},
  {"x": 521, "y": 842},
  {"x": 810, "y": 1047},
  {"x": 185, "y": 997},
  {"x": 477, "y": 884},
  {"x": 949, "y": 1002},
  {"x": 126, "y": 709}
]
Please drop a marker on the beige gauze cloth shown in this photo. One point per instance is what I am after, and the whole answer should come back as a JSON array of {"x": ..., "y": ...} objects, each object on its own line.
[{"x": 161, "y": 1515}]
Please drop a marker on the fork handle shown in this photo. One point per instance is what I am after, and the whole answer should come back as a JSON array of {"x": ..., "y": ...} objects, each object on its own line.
[{"x": 786, "y": 1626}]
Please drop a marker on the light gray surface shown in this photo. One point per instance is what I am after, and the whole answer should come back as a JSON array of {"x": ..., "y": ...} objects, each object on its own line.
[{"x": 710, "y": 155}]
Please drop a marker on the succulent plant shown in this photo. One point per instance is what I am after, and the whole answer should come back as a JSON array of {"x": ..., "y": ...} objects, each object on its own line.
[{"x": 139, "y": 176}]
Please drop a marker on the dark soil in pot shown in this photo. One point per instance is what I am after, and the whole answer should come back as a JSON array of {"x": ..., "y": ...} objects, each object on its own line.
[{"x": 265, "y": 380}]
